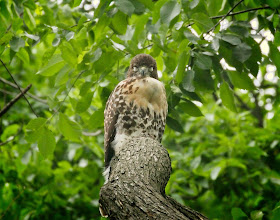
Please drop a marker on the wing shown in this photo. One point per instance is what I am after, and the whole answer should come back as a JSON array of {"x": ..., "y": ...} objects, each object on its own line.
[{"x": 110, "y": 119}]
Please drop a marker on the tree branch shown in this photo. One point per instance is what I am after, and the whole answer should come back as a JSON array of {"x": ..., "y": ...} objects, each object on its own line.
[
  {"x": 241, "y": 12},
  {"x": 227, "y": 14},
  {"x": 11, "y": 139},
  {"x": 28, "y": 93},
  {"x": 13, "y": 101},
  {"x": 18, "y": 87}
]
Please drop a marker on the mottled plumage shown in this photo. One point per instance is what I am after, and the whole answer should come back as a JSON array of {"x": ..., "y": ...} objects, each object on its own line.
[{"x": 136, "y": 108}]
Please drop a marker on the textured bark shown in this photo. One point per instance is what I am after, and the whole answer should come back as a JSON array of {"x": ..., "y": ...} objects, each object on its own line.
[{"x": 136, "y": 186}]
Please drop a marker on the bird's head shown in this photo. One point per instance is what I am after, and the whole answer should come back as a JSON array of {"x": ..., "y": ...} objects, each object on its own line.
[{"x": 143, "y": 65}]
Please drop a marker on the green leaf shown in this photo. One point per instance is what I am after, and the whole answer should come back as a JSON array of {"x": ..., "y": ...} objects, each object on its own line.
[
  {"x": 227, "y": 97},
  {"x": 238, "y": 214},
  {"x": 276, "y": 212},
  {"x": 23, "y": 55},
  {"x": 190, "y": 36},
  {"x": 46, "y": 143},
  {"x": 34, "y": 135},
  {"x": 16, "y": 43},
  {"x": 242, "y": 52},
  {"x": 190, "y": 108},
  {"x": 119, "y": 22},
  {"x": 29, "y": 4},
  {"x": 125, "y": 6},
  {"x": 63, "y": 75},
  {"x": 6, "y": 38},
  {"x": 76, "y": 3},
  {"x": 256, "y": 215},
  {"x": 203, "y": 80},
  {"x": 241, "y": 80},
  {"x": 9, "y": 131},
  {"x": 215, "y": 173},
  {"x": 273, "y": 3},
  {"x": 36, "y": 123},
  {"x": 203, "y": 61},
  {"x": 84, "y": 88},
  {"x": 232, "y": 39},
  {"x": 174, "y": 124},
  {"x": 84, "y": 103},
  {"x": 274, "y": 54},
  {"x": 183, "y": 59},
  {"x": 187, "y": 82},
  {"x": 68, "y": 54},
  {"x": 169, "y": 11},
  {"x": 96, "y": 119},
  {"x": 70, "y": 129},
  {"x": 53, "y": 66},
  {"x": 202, "y": 21}
]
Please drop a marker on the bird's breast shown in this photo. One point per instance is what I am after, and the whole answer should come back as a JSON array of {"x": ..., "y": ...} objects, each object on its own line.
[{"x": 147, "y": 92}]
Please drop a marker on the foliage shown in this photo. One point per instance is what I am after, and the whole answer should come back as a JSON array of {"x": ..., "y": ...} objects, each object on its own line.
[{"x": 223, "y": 127}]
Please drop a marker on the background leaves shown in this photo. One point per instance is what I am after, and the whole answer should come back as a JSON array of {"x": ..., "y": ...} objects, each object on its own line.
[{"x": 222, "y": 87}]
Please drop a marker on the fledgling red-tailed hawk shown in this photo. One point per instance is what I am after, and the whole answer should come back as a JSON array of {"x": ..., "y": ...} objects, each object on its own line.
[{"x": 136, "y": 108}]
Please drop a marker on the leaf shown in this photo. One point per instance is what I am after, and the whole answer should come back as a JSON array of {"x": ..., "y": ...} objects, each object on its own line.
[
  {"x": 125, "y": 6},
  {"x": 76, "y": 3},
  {"x": 190, "y": 36},
  {"x": 96, "y": 119},
  {"x": 202, "y": 21},
  {"x": 242, "y": 52},
  {"x": 195, "y": 162},
  {"x": 9, "y": 131},
  {"x": 29, "y": 4},
  {"x": 169, "y": 11},
  {"x": 203, "y": 61},
  {"x": 241, "y": 80},
  {"x": 256, "y": 215},
  {"x": 174, "y": 124},
  {"x": 16, "y": 43},
  {"x": 68, "y": 54},
  {"x": 84, "y": 88},
  {"x": 190, "y": 108},
  {"x": 119, "y": 22},
  {"x": 53, "y": 66},
  {"x": 187, "y": 82},
  {"x": 46, "y": 143},
  {"x": 215, "y": 173},
  {"x": 36, "y": 123},
  {"x": 6, "y": 38},
  {"x": 226, "y": 95},
  {"x": 181, "y": 66},
  {"x": 70, "y": 129},
  {"x": 203, "y": 80},
  {"x": 276, "y": 212},
  {"x": 23, "y": 55},
  {"x": 84, "y": 103},
  {"x": 274, "y": 54},
  {"x": 238, "y": 214},
  {"x": 232, "y": 39}
]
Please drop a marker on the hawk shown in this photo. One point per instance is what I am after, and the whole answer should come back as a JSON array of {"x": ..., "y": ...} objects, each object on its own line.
[{"x": 136, "y": 108}]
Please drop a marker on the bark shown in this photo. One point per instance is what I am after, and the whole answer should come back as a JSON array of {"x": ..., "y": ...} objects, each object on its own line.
[{"x": 136, "y": 186}]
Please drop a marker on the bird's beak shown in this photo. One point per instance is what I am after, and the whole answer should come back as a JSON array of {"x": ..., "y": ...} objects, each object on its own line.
[{"x": 144, "y": 70}]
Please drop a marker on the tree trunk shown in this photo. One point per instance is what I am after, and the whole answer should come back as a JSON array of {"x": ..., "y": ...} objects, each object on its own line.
[{"x": 136, "y": 186}]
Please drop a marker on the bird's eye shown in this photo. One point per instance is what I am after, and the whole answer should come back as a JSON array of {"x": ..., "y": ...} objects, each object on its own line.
[
  {"x": 151, "y": 69},
  {"x": 135, "y": 68}
]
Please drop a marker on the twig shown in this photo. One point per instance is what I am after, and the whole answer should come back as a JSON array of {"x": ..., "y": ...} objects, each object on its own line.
[
  {"x": 10, "y": 205},
  {"x": 18, "y": 87},
  {"x": 11, "y": 138},
  {"x": 227, "y": 14},
  {"x": 57, "y": 110},
  {"x": 28, "y": 93},
  {"x": 91, "y": 134},
  {"x": 242, "y": 103},
  {"x": 240, "y": 12},
  {"x": 13, "y": 101}
]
